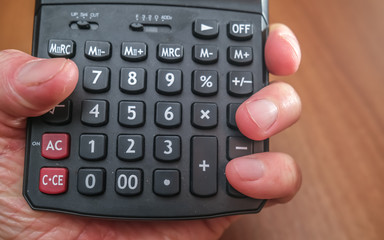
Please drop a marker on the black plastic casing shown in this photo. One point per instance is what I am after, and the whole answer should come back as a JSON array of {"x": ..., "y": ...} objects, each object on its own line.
[{"x": 52, "y": 20}]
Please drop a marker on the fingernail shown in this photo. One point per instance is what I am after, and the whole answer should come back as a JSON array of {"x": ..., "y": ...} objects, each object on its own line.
[
  {"x": 38, "y": 71},
  {"x": 249, "y": 169},
  {"x": 263, "y": 113},
  {"x": 292, "y": 40}
]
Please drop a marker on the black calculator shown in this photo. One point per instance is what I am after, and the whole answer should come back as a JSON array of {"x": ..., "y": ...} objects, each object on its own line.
[{"x": 150, "y": 127}]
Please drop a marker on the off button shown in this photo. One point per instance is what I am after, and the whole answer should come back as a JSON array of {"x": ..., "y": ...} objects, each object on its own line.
[{"x": 240, "y": 30}]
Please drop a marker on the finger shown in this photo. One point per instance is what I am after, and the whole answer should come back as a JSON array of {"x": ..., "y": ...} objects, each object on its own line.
[
  {"x": 31, "y": 86},
  {"x": 265, "y": 176},
  {"x": 269, "y": 111},
  {"x": 282, "y": 51}
]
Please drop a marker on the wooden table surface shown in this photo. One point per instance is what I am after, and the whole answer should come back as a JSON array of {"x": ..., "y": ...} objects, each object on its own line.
[{"x": 339, "y": 140}]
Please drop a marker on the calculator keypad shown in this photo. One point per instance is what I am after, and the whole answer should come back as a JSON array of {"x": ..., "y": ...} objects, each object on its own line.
[{"x": 150, "y": 127}]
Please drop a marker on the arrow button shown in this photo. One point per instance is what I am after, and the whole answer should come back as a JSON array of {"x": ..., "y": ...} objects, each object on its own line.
[{"x": 206, "y": 28}]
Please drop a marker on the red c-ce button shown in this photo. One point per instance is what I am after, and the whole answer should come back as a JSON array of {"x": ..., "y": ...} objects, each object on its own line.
[{"x": 53, "y": 180}]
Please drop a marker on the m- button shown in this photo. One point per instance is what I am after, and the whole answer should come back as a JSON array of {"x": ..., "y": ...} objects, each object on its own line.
[
  {"x": 205, "y": 54},
  {"x": 97, "y": 50}
]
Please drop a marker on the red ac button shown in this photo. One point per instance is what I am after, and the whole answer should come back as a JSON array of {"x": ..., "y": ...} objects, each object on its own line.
[
  {"x": 55, "y": 146},
  {"x": 53, "y": 180}
]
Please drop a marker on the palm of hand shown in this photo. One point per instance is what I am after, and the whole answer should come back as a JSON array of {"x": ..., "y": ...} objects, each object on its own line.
[{"x": 19, "y": 221}]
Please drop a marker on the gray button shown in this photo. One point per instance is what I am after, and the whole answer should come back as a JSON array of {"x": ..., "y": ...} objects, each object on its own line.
[{"x": 204, "y": 166}]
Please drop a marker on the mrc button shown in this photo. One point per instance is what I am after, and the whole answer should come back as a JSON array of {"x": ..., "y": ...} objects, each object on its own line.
[
  {"x": 170, "y": 53},
  {"x": 53, "y": 180},
  {"x": 61, "y": 48},
  {"x": 55, "y": 146},
  {"x": 240, "y": 30}
]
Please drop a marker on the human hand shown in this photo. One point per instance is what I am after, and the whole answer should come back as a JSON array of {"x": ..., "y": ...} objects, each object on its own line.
[{"x": 31, "y": 87}]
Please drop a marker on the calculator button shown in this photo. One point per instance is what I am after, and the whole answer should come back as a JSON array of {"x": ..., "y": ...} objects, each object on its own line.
[
  {"x": 205, "y": 83},
  {"x": 129, "y": 182},
  {"x": 133, "y": 80},
  {"x": 240, "y": 84},
  {"x": 96, "y": 79},
  {"x": 55, "y": 146},
  {"x": 60, "y": 114},
  {"x": 240, "y": 55},
  {"x": 94, "y": 112},
  {"x": 204, "y": 166},
  {"x": 96, "y": 50},
  {"x": 131, "y": 114},
  {"x": 91, "y": 181},
  {"x": 238, "y": 147},
  {"x": 205, "y": 29},
  {"x": 93, "y": 146},
  {"x": 53, "y": 180},
  {"x": 204, "y": 115},
  {"x": 134, "y": 51},
  {"x": 61, "y": 48},
  {"x": 169, "y": 82},
  {"x": 205, "y": 54},
  {"x": 168, "y": 114},
  {"x": 167, "y": 148},
  {"x": 240, "y": 30},
  {"x": 166, "y": 182},
  {"x": 233, "y": 192},
  {"x": 231, "y": 115},
  {"x": 258, "y": 147},
  {"x": 170, "y": 53},
  {"x": 130, "y": 147}
]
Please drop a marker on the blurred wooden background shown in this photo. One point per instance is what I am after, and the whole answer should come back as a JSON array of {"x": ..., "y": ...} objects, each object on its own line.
[{"x": 338, "y": 142}]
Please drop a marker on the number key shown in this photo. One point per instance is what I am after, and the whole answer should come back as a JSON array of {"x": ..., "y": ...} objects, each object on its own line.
[
  {"x": 94, "y": 112},
  {"x": 133, "y": 80},
  {"x": 167, "y": 148},
  {"x": 93, "y": 146},
  {"x": 131, "y": 114},
  {"x": 91, "y": 181},
  {"x": 96, "y": 79},
  {"x": 130, "y": 147},
  {"x": 129, "y": 182},
  {"x": 169, "y": 82},
  {"x": 168, "y": 114}
]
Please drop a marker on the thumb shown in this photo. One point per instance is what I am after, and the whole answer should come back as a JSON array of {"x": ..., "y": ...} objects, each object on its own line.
[{"x": 31, "y": 86}]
